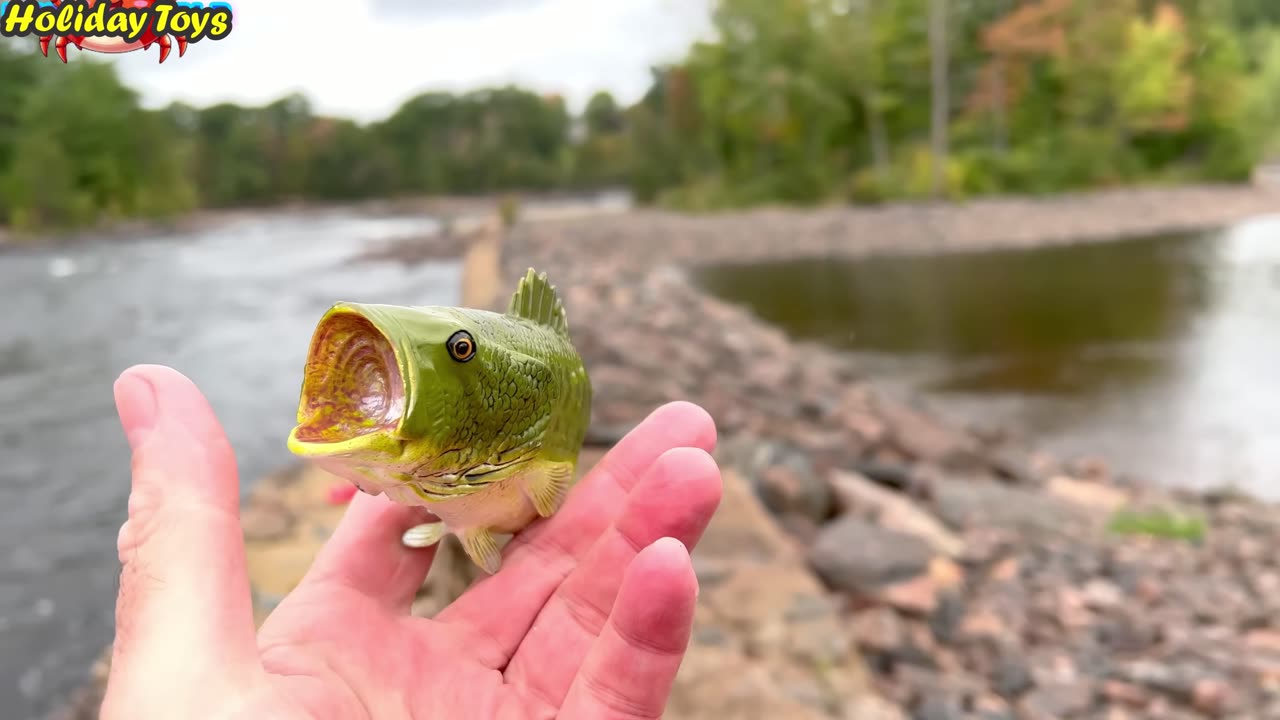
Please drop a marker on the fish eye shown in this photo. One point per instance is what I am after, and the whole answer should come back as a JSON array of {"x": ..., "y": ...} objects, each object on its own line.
[{"x": 462, "y": 347}]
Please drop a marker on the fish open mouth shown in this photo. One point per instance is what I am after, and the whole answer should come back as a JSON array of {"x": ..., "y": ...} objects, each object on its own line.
[{"x": 351, "y": 385}]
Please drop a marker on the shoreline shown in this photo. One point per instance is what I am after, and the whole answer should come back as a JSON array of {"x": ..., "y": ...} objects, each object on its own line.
[
  {"x": 924, "y": 228},
  {"x": 977, "y": 224},
  {"x": 971, "y": 571},
  {"x": 446, "y": 207},
  {"x": 880, "y": 560}
]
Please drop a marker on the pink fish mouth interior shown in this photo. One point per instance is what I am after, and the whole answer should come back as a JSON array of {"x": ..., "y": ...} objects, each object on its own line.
[{"x": 351, "y": 385}]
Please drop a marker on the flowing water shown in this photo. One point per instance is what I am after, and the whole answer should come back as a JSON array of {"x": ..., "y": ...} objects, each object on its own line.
[
  {"x": 1161, "y": 355},
  {"x": 233, "y": 308}
]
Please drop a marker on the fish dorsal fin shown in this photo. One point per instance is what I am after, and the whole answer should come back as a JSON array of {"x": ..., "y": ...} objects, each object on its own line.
[{"x": 536, "y": 300}]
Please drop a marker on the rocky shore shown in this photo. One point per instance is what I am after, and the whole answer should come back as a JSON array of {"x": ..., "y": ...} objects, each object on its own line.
[
  {"x": 977, "y": 578},
  {"x": 871, "y": 559}
]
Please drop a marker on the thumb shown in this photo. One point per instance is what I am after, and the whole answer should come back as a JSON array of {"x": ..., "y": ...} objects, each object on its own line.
[{"x": 184, "y": 613}]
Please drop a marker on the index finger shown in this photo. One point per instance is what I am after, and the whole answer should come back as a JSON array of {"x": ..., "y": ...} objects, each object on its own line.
[{"x": 498, "y": 611}]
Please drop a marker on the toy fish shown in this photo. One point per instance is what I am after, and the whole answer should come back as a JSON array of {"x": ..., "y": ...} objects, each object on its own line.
[{"x": 475, "y": 415}]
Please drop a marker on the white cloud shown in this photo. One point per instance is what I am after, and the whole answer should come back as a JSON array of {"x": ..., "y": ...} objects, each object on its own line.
[
  {"x": 354, "y": 59},
  {"x": 441, "y": 8}
]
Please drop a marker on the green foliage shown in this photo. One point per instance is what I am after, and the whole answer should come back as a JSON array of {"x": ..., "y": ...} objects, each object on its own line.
[
  {"x": 1262, "y": 104},
  {"x": 792, "y": 101},
  {"x": 80, "y": 150},
  {"x": 1162, "y": 524},
  {"x": 809, "y": 101}
]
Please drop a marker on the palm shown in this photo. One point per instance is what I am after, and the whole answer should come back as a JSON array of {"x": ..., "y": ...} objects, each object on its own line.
[{"x": 588, "y": 617}]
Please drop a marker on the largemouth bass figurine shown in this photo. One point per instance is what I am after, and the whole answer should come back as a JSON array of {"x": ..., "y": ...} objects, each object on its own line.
[{"x": 475, "y": 415}]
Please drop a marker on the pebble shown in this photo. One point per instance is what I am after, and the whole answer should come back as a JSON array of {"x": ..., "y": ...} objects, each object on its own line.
[{"x": 856, "y": 556}]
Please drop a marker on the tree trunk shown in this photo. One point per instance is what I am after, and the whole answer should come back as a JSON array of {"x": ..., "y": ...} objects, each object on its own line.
[
  {"x": 938, "y": 125},
  {"x": 876, "y": 132},
  {"x": 1000, "y": 113},
  {"x": 878, "y": 135},
  {"x": 999, "y": 117}
]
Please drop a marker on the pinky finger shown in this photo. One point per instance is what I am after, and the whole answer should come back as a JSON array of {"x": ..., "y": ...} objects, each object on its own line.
[{"x": 630, "y": 669}]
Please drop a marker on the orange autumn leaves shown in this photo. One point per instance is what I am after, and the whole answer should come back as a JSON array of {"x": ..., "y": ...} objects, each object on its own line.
[{"x": 1140, "y": 63}]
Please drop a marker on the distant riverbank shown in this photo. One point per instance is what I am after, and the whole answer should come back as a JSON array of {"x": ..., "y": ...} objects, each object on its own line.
[
  {"x": 839, "y": 230},
  {"x": 444, "y": 207},
  {"x": 917, "y": 228}
]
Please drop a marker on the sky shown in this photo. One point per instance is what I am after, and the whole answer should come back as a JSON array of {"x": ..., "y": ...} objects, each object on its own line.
[{"x": 363, "y": 58}]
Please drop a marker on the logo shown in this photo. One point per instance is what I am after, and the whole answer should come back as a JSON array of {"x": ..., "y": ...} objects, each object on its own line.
[{"x": 115, "y": 26}]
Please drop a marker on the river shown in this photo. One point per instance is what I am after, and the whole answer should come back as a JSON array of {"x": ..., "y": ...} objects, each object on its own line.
[
  {"x": 1160, "y": 355},
  {"x": 231, "y": 307}
]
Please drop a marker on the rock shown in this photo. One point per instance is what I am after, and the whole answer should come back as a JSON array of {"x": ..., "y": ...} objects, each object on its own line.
[
  {"x": 854, "y": 556},
  {"x": 1052, "y": 666},
  {"x": 924, "y": 437},
  {"x": 1265, "y": 639},
  {"x": 922, "y": 683},
  {"x": 1128, "y": 634},
  {"x": 990, "y": 707},
  {"x": 791, "y": 490},
  {"x": 938, "y": 706},
  {"x": 968, "y": 502},
  {"x": 917, "y": 596},
  {"x": 1123, "y": 693},
  {"x": 893, "y": 511},
  {"x": 1010, "y": 676},
  {"x": 1090, "y": 495},
  {"x": 1014, "y": 464},
  {"x": 872, "y": 708},
  {"x": 898, "y": 477},
  {"x": 1212, "y": 697},
  {"x": 1005, "y": 571},
  {"x": 800, "y": 527},
  {"x": 982, "y": 624},
  {"x": 266, "y": 521},
  {"x": 1058, "y": 700},
  {"x": 1064, "y": 607},
  {"x": 1177, "y": 681},
  {"x": 1092, "y": 468},
  {"x": 948, "y": 616},
  {"x": 920, "y": 595},
  {"x": 878, "y": 629},
  {"x": 864, "y": 425},
  {"x": 1102, "y": 595},
  {"x": 768, "y": 641}
]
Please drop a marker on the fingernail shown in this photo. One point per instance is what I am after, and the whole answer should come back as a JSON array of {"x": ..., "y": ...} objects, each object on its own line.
[
  {"x": 136, "y": 404},
  {"x": 671, "y": 545}
]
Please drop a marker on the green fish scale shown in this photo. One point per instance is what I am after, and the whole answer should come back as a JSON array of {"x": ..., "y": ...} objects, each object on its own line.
[{"x": 522, "y": 376}]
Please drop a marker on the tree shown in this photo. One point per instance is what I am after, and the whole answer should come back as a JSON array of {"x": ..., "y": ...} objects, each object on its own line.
[
  {"x": 941, "y": 90},
  {"x": 602, "y": 115}
]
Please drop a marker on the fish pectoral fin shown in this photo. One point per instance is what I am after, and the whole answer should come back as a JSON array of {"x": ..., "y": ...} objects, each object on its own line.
[
  {"x": 547, "y": 486},
  {"x": 482, "y": 548},
  {"x": 424, "y": 535}
]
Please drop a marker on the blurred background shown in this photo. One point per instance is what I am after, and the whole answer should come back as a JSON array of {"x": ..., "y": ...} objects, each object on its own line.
[{"x": 1051, "y": 220}]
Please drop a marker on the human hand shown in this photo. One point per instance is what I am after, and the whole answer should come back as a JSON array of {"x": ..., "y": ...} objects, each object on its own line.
[{"x": 589, "y": 616}]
